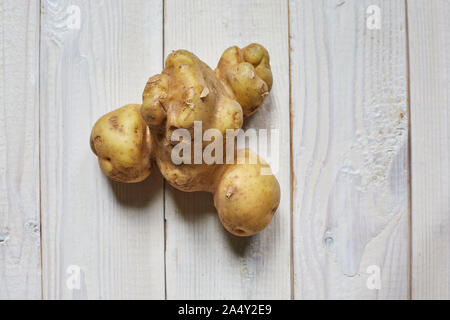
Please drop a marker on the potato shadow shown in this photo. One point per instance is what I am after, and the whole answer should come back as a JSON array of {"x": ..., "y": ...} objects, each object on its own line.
[
  {"x": 239, "y": 245},
  {"x": 138, "y": 195},
  {"x": 265, "y": 117},
  {"x": 192, "y": 206}
]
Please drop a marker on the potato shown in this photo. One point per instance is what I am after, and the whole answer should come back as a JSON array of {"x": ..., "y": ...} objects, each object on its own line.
[
  {"x": 188, "y": 92},
  {"x": 245, "y": 198},
  {"x": 122, "y": 142}
]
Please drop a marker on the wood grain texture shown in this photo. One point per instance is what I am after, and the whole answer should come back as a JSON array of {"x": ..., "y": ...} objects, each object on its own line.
[
  {"x": 20, "y": 259},
  {"x": 113, "y": 232},
  {"x": 350, "y": 149},
  {"x": 429, "y": 47},
  {"x": 204, "y": 261}
]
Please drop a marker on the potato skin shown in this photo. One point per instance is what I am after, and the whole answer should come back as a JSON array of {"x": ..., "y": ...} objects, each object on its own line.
[
  {"x": 186, "y": 91},
  {"x": 122, "y": 142},
  {"x": 245, "y": 199}
]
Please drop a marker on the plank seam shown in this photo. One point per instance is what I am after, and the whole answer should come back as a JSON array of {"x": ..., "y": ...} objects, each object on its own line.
[
  {"x": 291, "y": 238},
  {"x": 164, "y": 181},
  {"x": 40, "y": 158},
  {"x": 408, "y": 94}
]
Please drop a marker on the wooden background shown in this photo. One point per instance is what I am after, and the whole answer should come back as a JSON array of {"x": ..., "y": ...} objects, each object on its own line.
[{"x": 363, "y": 113}]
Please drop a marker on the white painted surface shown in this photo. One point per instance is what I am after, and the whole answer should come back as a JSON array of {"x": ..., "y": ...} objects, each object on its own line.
[
  {"x": 20, "y": 259},
  {"x": 203, "y": 261},
  {"x": 113, "y": 232},
  {"x": 350, "y": 144},
  {"x": 350, "y": 152},
  {"x": 429, "y": 47}
]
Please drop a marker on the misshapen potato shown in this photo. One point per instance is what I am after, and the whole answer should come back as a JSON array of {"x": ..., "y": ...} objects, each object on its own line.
[
  {"x": 122, "y": 142},
  {"x": 187, "y": 92}
]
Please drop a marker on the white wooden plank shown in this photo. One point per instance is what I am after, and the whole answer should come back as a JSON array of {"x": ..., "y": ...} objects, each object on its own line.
[
  {"x": 350, "y": 149},
  {"x": 429, "y": 47},
  {"x": 20, "y": 258},
  {"x": 113, "y": 232},
  {"x": 203, "y": 261}
]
